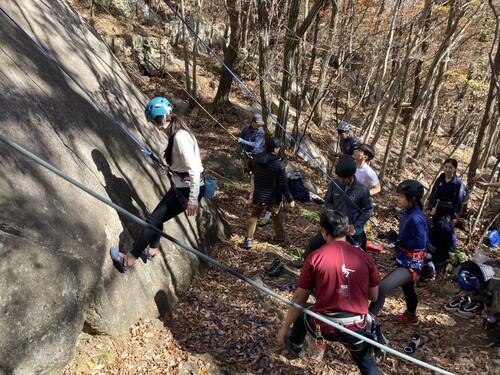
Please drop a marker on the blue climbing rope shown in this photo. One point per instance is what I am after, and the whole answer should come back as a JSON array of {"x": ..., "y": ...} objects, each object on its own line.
[
  {"x": 216, "y": 263},
  {"x": 157, "y": 161},
  {"x": 267, "y": 110}
]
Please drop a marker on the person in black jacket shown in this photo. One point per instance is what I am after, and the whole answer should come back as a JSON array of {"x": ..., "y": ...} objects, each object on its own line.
[{"x": 270, "y": 184}]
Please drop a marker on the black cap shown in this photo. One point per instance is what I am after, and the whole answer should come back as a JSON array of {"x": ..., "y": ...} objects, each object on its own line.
[
  {"x": 412, "y": 188},
  {"x": 273, "y": 143},
  {"x": 346, "y": 167}
]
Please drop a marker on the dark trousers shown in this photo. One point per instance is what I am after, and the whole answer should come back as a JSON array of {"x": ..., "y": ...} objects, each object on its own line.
[
  {"x": 171, "y": 205},
  {"x": 317, "y": 241},
  {"x": 359, "y": 349},
  {"x": 400, "y": 277}
]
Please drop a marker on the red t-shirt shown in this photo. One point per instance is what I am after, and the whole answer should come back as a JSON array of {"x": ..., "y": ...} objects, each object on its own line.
[{"x": 342, "y": 275}]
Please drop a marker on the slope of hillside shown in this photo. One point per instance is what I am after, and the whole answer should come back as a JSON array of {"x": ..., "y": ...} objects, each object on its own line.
[{"x": 224, "y": 326}]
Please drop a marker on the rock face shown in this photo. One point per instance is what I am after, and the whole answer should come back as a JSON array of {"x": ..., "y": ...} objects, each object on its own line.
[{"x": 55, "y": 271}]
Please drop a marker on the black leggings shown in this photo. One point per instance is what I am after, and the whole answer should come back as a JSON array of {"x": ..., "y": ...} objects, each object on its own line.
[
  {"x": 169, "y": 207},
  {"x": 400, "y": 277}
]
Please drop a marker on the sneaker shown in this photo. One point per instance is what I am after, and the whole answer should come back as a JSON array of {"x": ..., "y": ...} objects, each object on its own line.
[
  {"x": 297, "y": 349},
  {"x": 247, "y": 244},
  {"x": 457, "y": 303},
  {"x": 276, "y": 269},
  {"x": 472, "y": 308},
  {"x": 406, "y": 319}
]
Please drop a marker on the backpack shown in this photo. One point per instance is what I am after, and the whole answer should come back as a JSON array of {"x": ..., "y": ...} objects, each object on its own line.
[{"x": 297, "y": 189}]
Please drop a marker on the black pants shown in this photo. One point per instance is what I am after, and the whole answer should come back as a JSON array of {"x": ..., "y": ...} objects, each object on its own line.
[
  {"x": 171, "y": 205},
  {"x": 400, "y": 277},
  {"x": 359, "y": 349},
  {"x": 317, "y": 241}
]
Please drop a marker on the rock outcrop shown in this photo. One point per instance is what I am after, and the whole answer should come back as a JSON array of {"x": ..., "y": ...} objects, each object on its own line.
[{"x": 55, "y": 271}]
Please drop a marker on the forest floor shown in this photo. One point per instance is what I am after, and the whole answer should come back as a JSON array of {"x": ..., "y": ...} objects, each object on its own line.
[{"x": 223, "y": 325}]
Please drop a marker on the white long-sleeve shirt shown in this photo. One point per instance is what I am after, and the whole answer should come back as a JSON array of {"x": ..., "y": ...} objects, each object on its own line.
[{"x": 186, "y": 159}]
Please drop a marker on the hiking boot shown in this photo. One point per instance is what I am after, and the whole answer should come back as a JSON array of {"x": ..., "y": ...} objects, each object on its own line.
[
  {"x": 297, "y": 349},
  {"x": 472, "y": 308},
  {"x": 457, "y": 303},
  {"x": 406, "y": 319},
  {"x": 247, "y": 244}
]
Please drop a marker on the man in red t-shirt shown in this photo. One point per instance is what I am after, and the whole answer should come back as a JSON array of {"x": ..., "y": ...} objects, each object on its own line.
[{"x": 345, "y": 278}]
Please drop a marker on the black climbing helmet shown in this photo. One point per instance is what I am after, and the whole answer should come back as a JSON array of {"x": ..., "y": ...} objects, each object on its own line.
[
  {"x": 411, "y": 188},
  {"x": 346, "y": 167}
]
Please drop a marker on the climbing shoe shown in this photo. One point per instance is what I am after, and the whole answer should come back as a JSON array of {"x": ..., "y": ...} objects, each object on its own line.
[{"x": 120, "y": 260}]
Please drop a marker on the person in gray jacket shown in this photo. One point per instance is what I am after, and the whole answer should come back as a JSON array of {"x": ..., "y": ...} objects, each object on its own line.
[
  {"x": 348, "y": 195},
  {"x": 270, "y": 184}
]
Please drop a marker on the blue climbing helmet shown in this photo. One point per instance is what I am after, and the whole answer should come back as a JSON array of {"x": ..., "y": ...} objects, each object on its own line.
[
  {"x": 344, "y": 127},
  {"x": 158, "y": 106},
  {"x": 468, "y": 280}
]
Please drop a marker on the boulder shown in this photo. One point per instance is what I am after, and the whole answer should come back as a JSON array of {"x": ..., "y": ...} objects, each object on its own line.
[{"x": 55, "y": 271}]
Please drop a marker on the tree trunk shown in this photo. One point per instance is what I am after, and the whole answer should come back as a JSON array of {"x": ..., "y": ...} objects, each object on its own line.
[
  {"x": 265, "y": 76},
  {"x": 306, "y": 80},
  {"x": 486, "y": 121},
  {"x": 454, "y": 32},
  {"x": 402, "y": 89},
  {"x": 318, "y": 96},
  {"x": 293, "y": 36},
  {"x": 230, "y": 56},
  {"x": 185, "y": 49},
  {"x": 383, "y": 65},
  {"x": 431, "y": 112}
]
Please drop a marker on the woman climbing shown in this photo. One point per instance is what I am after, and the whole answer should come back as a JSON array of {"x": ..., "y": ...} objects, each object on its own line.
[
  {"x": 411, "y": 247},
  {"x": 185, "y": 171}
]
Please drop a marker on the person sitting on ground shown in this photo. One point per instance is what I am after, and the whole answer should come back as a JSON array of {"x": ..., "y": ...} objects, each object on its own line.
[
  {"x": 364, "y": 173},
  {"x": 347, "y": 141},
  {"x": 186, "y": 182},
  {"x": 441, "y": 237},
  {"x": 411, "y": 247},
  {"x": 299, "y": 193},
  {"x": 251, "y": 142},
  {"x": 348, "y": 195},
  {"x": 270, "y": 185},
  {"x": 345, "y": 278}
]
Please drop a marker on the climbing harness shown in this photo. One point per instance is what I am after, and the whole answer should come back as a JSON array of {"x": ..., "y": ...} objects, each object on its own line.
[
  {"x": 174, "y": 240},
  {"x": 211, "y": 260}
]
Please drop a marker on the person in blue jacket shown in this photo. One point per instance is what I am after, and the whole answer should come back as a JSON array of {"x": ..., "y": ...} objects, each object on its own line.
[
  {"x": 447, "y": 190},
  {"x": 441, "y": 237},
  {"x": 411, "y": 248},
  {"x": 251, "y": 143}
]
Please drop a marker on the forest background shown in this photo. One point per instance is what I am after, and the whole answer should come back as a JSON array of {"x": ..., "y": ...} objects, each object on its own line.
[{"x": 417, "y": 79}]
